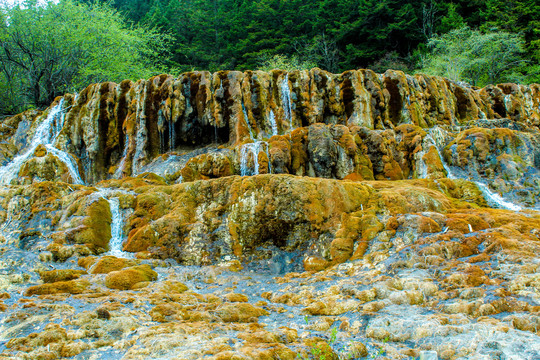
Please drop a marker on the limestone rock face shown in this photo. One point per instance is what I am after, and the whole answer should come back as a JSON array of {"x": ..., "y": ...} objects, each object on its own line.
[
  {"x": 309, "y": 122},
  {"x": 265, "y": 215}
]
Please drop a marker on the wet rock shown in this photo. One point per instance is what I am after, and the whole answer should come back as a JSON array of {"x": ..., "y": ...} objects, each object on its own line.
[
  {"x": 103, "y": 314},
  {"x": 60, "y": 275},
  {"x": 236, "y": 297},
  {"x": 130, "y": 277},
  {"x": 52, "y": 334},
  {"x": 108, "y": 264},
  {"x": 60, "y": 287},
  {"x": 94, "y": 230},
  {"x": 40, "y": 151},
  {"x": 373, "y": 210},
  {"x": 358, "y": 350},
  {"x": 163, "y": 115},
  {"x": 239, "y": 312}
]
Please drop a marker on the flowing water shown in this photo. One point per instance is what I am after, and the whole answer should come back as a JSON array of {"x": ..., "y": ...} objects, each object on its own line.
[
  {"x": 273, "y": 122},
  {"x": 68, "y": 161},
  {"x": 508, "y": 103},
  {"x": 117, "y": 224},
  {"x": 115, "y": 244},
  {"x": 286, "y": 101},
  {"x": 436, "y": 138},
  {"x": 244, "y": 111},
  {"x": 46, "y": 133},
  {"x": 496, "y": 200},
  {"x": 253, "y": 150},
  {"x": 122, "y": 165},
  {"x": 141, "y": 134},
  {"x": 172, "y": 136}
]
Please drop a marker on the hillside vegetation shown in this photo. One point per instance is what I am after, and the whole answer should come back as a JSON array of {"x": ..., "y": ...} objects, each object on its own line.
[{"x": 71, "y": 44}]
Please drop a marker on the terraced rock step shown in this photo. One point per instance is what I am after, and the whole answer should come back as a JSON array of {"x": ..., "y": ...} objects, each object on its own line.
[{"x": 273, "y": 216}]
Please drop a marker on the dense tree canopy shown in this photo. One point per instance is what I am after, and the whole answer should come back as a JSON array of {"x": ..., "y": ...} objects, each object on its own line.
[
  {"x": 336, "y": 35},
  {"x": 333, "y": 34},
  {"x": 478, "y": 58},
  {"x": 47, "y": 50}
]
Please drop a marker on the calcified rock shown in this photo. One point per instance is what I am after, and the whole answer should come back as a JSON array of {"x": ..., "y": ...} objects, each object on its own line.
[
  {"x": 119, "y": 129},
  {"x": 273, "y": 215}
]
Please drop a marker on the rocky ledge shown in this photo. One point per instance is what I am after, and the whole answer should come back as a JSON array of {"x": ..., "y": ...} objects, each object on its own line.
[{"x": 273, "y": 216}]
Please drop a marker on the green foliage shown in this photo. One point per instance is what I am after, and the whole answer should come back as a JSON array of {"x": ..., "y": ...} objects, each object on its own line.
[
  {"x": 333, "y": 335},
  {"x": 452, "y": 20},
  {"x": 75, "y": 43},
  {"x": 284, "y": 62},
  {"x": 518, "y": 16},
  {"x": 475, "y": 57},
  {"x": 380, "y": 351},
  {"x": 335, "y": 35},
  {"x": 390, "y": 60},
  {"x": 321, "y": 51},
  {"x": 47, "y": 50}
]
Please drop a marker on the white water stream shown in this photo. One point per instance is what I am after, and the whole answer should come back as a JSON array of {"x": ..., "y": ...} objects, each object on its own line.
[
  {"x": 286, "y": 101},
  {"x": 122, "y": 165},
  {"x": 253, "y": 150},
  {"x": 117, "y": 234},
  {"x": 436, "y": 139},
  {"x": 244, "y": 111},
  {"x": 495, "y": 199},
  {"x": 272, "y": 119},
  {"x": 68, "y": 161},
  {"x": 46, "y": 134},
  {"x": 117, "y": 224}
]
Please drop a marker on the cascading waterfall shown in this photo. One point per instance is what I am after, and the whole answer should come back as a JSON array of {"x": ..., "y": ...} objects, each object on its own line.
[
  {"x": 246, "y": 150},
  {"x": 220, "y": 91},
  {"x": 421, "y": 166},
  {"x": 286, "y": 101},
  {"x": 115, "y": 244},
  {"x": 508, "y": 103},
  {"x": 405, "y": 111},
  {"x": 117, "y": 232},
  {"x": 482, "y": 115},
  {"x": 272, "y": 119},
  {"x": 244, "y": 111},
  {"x": 449, "y": 173},
  {"x": 435, "y": 138},
  {"x": 172, "y": 136},
  {"x": 46, "y": 133},
  {"x": 122, "y": 165},
  {"x": 141, "y": 134},
  {"x": 496, "y": 200},
  {"x": 253, "y": 149},
  {"x": 68, "y": 160},
  {"x": 163, "y": 147}
]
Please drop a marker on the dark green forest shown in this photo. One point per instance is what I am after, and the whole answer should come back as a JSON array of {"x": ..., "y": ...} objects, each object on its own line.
[
  {"x": 336, "y": 35},
  {"x": 475, "y": 41}
]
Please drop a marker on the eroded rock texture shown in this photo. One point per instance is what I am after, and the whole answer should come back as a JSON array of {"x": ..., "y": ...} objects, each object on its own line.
[
  {"x": 273, "y": 216},
  {"x": 312, "y": 123}
]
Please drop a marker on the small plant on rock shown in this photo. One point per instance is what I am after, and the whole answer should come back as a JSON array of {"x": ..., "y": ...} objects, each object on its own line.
[{"x": 381, "y": 350}]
